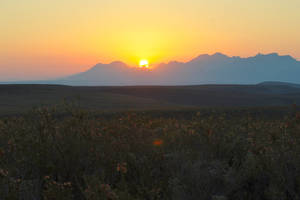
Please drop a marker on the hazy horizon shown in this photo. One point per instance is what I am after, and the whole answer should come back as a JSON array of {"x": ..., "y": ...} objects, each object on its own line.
[{"x": 153, "y": 65}]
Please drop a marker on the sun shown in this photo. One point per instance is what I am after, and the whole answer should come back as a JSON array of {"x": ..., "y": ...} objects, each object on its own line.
[{"x": 144, "y": 64}]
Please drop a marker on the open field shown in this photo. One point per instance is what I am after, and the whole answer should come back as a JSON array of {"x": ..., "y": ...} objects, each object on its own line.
[
  {"x": 16, "y": 99},
  {"x": 128, "y": 143}
]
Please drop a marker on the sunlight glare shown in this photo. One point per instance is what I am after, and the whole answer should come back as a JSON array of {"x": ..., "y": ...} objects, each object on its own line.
[{"x": 144, "y": 64}]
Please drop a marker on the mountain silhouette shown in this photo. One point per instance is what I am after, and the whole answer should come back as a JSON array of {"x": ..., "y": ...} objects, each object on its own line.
[{"x": 204, "y": 69}]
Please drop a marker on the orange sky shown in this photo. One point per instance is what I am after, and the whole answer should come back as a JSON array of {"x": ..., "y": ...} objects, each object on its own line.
[{"x": 40, "y": 40}]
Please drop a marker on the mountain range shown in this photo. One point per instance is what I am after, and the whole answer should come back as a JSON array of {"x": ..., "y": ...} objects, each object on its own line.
[{"x": 204, "y": 69}]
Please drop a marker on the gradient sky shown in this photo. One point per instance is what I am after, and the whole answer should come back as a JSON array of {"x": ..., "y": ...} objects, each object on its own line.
[{"x": 46, "y": 39}]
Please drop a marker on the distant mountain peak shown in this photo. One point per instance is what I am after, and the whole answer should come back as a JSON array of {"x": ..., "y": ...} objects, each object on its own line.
[
  {"x": 174, "y": 63},
  {"x": 118, "y": 63},
  {"x": 218, "y": 54},
  {"x": 275, "y": 56},
  {"x": 203, "y": 55},
  {"x": 112, "y": 64},
  {"x": 269, "y": 54},
  {"x": 215, "y": 68}
]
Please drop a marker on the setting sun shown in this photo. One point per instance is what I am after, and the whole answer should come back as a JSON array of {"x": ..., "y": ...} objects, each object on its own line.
[{"x": 144, "y": 64}]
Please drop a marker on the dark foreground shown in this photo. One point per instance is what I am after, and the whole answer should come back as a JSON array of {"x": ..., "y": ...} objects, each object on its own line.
[{"x": 192, "y": 154}]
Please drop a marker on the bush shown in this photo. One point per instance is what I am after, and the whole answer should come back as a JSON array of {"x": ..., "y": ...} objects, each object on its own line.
[{"x": 72, "y": 154}]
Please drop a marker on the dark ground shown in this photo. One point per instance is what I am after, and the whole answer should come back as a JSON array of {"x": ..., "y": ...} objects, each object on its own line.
[{"x": 16, "y": 99}]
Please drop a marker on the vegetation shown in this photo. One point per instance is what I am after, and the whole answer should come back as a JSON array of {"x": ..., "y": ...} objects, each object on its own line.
[{"x": 196, "y": 154}]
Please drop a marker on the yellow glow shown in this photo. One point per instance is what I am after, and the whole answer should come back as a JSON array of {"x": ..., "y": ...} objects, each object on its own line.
[
  {"x": 44, "y": 39},
  {"x": 144, "y": 64}
]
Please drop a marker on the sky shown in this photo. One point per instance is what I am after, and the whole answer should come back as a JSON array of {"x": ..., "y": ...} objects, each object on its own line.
[{"x": 48, "y": 39}]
